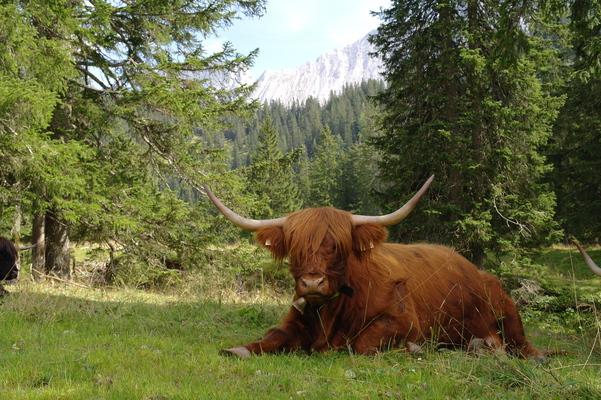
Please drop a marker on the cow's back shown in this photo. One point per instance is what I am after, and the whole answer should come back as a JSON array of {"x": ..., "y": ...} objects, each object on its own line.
[
  {"x": 425, "y": 265},
  {"x": 447, "y": 293}
]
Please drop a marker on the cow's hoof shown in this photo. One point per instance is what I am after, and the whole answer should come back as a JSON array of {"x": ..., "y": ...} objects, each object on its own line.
[
  {"x": 538, "y": 358},
  {"x": 476, "y": 345},
  {"x": 414, "y": 348},
  {"x": 240, "y": 352}
]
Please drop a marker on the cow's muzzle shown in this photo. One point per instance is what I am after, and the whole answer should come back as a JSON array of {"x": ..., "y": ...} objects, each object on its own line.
[
  {"x": 313, "y": 287},
  {"x": 311, "y": 284}
]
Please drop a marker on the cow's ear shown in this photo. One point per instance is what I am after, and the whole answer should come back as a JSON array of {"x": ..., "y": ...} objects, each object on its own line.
[
  {"x": 272, "y": 238},
  {"x": 366, "y": 237}
]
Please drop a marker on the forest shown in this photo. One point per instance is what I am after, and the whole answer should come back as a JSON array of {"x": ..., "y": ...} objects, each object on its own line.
[{"x": 112, "y": 124}]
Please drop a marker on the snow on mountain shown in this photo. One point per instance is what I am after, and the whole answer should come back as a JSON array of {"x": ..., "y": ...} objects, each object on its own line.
[{"x": 330, "y": 72}]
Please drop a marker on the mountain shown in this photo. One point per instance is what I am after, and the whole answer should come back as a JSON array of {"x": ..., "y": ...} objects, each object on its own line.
[{"x": 330, "y": 72}]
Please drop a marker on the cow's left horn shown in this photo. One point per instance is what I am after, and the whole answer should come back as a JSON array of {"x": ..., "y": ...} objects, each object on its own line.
[
  {"x": 398, "y": 215},
  {"x": 587, "y": 259},
  {"x": 244, "y": 223}
]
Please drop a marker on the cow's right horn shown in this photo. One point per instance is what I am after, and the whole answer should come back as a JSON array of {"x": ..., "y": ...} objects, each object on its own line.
[
  {"x": 587, "y": 259},
  {"x": 398, "y": 215},
  {"x": 244, "y": 223}
]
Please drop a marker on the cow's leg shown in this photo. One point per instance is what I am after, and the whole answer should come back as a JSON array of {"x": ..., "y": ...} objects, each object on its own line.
[
  {"x": 513, "y": 333},
  {"x": 383, "y": 332},
  {"x": 286, "y": 337},
  {"x": 510, "y": 323},
  {"x": 490, "y": 342},
  {"x": 413, "y": 348}
]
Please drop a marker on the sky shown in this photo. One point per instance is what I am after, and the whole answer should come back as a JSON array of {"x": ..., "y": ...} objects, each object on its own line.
[{"x": 293, "y": 32}]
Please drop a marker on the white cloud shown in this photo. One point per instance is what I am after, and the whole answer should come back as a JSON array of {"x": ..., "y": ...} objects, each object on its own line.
[
  {"x": 355, "y": 24},
  {"x": 293, "y": 17}
]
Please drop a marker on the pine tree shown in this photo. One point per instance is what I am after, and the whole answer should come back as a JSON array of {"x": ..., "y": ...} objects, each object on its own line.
[
  {"x": 325, "y": 171},
  {"x": 359, "y": 178},
  {"x": 463, "y": 102},
  {"x": 121, "y": 105},
  {"x": 576, "y": 146},
  {"x": 311, "y": 124},
  {"x": 302, "y": 170},
  {"x": 270, "y": 176}
]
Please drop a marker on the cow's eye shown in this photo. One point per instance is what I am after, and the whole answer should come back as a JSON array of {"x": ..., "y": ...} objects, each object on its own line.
[
  {"x": 330, "y": 248},
  {"x": 329, "y": 245}
]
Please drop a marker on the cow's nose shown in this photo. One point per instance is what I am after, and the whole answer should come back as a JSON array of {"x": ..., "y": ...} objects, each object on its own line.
[{"x": 310, "y": 283}]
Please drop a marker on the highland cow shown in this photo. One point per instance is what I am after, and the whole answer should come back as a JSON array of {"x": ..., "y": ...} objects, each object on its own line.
[{"x": 353, "y": 290}]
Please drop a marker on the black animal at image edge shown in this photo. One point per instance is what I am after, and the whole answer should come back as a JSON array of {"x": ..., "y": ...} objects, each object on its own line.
[{"x": 9, "y": 262}]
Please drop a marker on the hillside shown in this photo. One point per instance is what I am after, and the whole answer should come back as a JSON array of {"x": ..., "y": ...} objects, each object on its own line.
[{"x": 328, "y": 74}]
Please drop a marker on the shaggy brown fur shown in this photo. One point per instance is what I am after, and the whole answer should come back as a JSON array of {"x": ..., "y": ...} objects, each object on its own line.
[{"x": 403, "y": 295}]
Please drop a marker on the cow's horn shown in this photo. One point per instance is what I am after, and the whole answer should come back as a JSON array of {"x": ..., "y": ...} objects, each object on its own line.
[
  {"x": 398, "y": 215},
  {"x": 244, "y": 223},
  {"x": 587, "y": 259},
  {"x": 28, "y": 247}
]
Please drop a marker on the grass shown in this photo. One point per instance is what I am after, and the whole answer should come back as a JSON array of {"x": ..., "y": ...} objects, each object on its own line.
[
  {"x": 567, "y": 262},
  {"x": 68, "y": 342}
]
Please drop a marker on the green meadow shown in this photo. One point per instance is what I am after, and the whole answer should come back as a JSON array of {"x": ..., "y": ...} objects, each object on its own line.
[{"x": 62, "y": 341}]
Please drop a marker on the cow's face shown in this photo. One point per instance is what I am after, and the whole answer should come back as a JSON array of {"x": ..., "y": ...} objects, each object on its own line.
[
  {"x": 318, "y": 244},
  {"x": 318, "y": 275}
]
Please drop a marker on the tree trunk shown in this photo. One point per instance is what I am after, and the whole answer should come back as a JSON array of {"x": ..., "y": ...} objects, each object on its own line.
[
  {"x": 109, "y": 272},
  {"x": 15, "y": 232},
  {"x": 478, "y": 255},
  {"x": 38, "y": 253},
  {"x": 58, "y": 257}
]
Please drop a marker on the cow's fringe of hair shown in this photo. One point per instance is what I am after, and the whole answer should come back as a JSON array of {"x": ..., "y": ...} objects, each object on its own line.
[{"x": 307, "y": 229}]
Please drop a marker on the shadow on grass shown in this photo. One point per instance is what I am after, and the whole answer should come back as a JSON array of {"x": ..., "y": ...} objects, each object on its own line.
[{"x": 208, "y": 321}]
